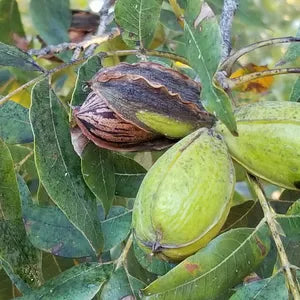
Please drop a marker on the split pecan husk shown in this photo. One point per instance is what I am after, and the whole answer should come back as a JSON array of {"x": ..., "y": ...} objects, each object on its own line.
[{"x": 143, "y": 106}]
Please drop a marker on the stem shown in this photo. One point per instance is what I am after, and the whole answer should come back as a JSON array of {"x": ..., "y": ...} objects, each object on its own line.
[
  {"x": 228, "y": 12},
  {"x": 229, "y": 62},
  {"x": 269, "y": 216},
  {"x": 232, "y": 83},
  {"x": 145, "y": 52},
  {"x": 178, "y": 11},
  {"x": 124, "y": 253},
  {"x": 21, "y": 88},
  {"x": 71, "y": 46},
  {"x": 23, "y": 161}
]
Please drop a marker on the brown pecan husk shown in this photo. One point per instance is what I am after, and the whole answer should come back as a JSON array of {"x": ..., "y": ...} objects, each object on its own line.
[
  {"x": 107, "y": 130},
  {"x": 108, "y": 116}
]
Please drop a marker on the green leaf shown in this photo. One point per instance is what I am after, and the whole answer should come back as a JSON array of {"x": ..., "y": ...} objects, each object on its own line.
[
  {"x": 138, "y": 20},
  {"x": 98, "y": 173},
  {"x": 168, "y": 19},
  {"x": 134, "y": 268},
  {"x": 42, "y": 196},
  {"x": 273, "y": 287},
  {"x": 116, "y": 227},
  {"x": 295, "y": 94},
  {"x": 54, "y": 265},
  {"x": 59, "y": 166},
  {"x": 247, "y": 214},
  {"x": 290, "y": 225},
  {"x": 292, "y": 53},
  {"x": 203, "y": 51},
  {"x": 121, "y": 284},
  {"x": 14, "y": 124},
  {"x": 14, "y": 57},
  {"x": 17, "y": 256},
  {"x": 129, "y": 176},
  {"x": 10, "y": 22},
  {"x": 9, "y": 195},
  {"x": 51, "y": 19},
  {"x": 6, "y": 286},
  {"x": 81, "y": 282},
  {"x": 151, "y": 263},
  {"x": 223, "y": 263},
  {"x": 85, "y": 73},
  {"x": 294, "y": 209},
  {"x": 49, "y": 229},
  {"x": 26, "y": 169}
]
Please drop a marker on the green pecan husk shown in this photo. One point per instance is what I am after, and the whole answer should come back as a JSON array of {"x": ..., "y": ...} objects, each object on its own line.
[
  {"x": 268, "y": 144},
  {"x": 185, "y": 197}
]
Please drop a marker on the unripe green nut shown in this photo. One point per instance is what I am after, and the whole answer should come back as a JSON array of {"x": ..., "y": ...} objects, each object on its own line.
[
  {"x": 268, "y": 144},
  {"x": 185, "y": 197}
]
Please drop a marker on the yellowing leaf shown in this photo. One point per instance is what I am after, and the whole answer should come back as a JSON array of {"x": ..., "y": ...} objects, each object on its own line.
[
  {"x": 259, "y": 85},
  {"x": 179, "y": 64},
  {"x": 114, "y": 44},
  {"x": 22, "y": 98}
]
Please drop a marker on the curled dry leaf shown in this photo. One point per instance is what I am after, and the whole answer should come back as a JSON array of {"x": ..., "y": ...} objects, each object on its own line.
[
  {"x": 143, "y": 106},
  {"x": 79, "y": 140}
]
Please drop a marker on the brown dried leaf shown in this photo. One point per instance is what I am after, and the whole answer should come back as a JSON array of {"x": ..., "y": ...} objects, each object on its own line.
[{"x": 259, "y": 85}]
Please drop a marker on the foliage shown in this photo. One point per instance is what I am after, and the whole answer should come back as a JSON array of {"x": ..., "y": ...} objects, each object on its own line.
[{"x": 66, "y": 205}]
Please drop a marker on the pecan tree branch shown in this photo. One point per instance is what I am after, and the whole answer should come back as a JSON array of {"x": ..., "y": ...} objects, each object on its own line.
[
  {"x": 271, "y": 221},
  {"x": 72, "y": 46},
  {"x": 228, "y": 12},
  {"x": 104, "y": 16}
]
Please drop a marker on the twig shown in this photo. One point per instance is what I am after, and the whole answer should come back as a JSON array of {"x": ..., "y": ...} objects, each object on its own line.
[
  {"x": 90, "y": 50},
  {"x": 36, "y": 79},
  {"x": 21, "y": 88},
  {"x": 228, "y": 12},
  {"x": 19, "y": 165},
  {"x": 270, "y": 218},
  {"x": 232, "y": 83},
  {"x": 72, "y": 46},
  {"x": 124, "y": 253},
  {"x": 229, "y": 62},
  {"x": 57, "y": 49},
  {"x": 104, "y": 16},
  {"x": 146, "y": 52}
]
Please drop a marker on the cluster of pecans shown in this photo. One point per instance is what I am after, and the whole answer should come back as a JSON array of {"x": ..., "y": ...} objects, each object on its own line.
[{"x": 185, "y": 197}]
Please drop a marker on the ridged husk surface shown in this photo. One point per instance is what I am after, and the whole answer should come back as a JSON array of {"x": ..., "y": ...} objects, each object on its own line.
[
  {"x": 107, "y": 130},
  {"x": 144, "y": 103},
  {"x": 268, "y": 144},
  {"x": 185, "y": 197}
]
